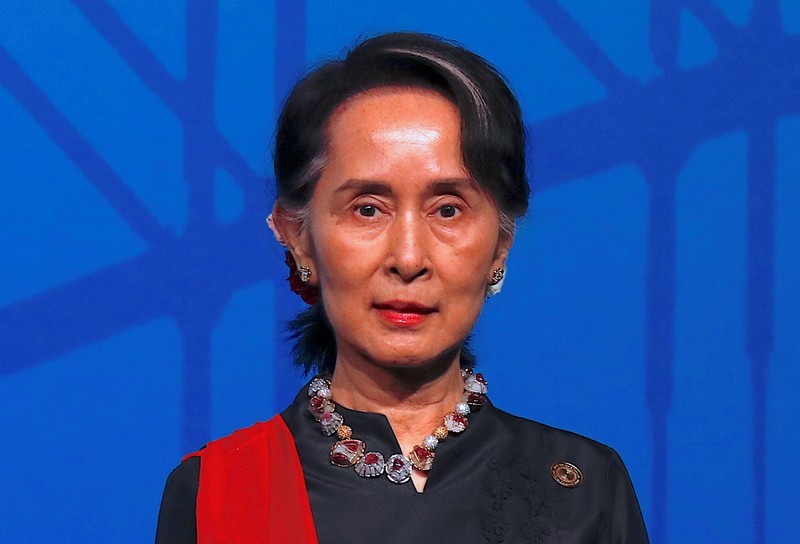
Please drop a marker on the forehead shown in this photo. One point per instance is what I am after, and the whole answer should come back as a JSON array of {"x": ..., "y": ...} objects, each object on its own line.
[
  {"x": 383, "y": 107},
  {"x": 397, "y": 132}
]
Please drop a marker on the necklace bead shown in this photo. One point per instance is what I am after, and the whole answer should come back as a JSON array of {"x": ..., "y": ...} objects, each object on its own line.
[
  {"x": 430, "y": 442},
  {"x": 370, "y": 465},
  {"x": 456, "y": 423},
  {"x": 421, "y": 458},
  {"x": 398, "y": 469},
  {"x": 330, "y": 421},
  {"x": 344, "y": 432},
  {"x": 345, "y": 453}
]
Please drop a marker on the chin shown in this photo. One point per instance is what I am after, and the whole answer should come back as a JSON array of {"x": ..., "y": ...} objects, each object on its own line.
[{"x": 403, "y": 359}]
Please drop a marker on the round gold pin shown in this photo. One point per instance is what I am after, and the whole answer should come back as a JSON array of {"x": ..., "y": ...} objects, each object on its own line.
[{"x": 566, "y": 474}]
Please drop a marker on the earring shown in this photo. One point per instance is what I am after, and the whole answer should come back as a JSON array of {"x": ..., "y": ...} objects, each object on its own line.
[
  {"x": 305, "y": 273},
  {"x": 496, "y": 283},
  {"x": 497, "y": 276}
]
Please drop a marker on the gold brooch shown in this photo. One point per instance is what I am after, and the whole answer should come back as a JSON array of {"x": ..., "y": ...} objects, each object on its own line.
[{"x": 566, "y": 474}]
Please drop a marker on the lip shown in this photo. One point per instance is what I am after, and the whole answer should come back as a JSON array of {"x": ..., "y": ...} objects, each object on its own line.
[{"x": 404, "y": 313}]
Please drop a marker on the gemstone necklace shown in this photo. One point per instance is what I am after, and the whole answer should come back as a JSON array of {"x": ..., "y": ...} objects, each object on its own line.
[{"x": 350, "y": 452}]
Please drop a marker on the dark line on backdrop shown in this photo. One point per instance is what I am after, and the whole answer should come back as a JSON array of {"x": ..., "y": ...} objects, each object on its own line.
[
  {"x": 661, "y": 265},
  {"x": 232, "y": 162},
  {"x": 200, "y": 154},
  {"x": 196, "y": 401},
  {"x": 113, "y": 299},
  {"x": 290, "y": 47},
  {"x": 761, "y": 175},
  {"x": 660, "y": 335},
  {"x": 664, "y": 36},
  {"x": 134, "y": 52},
  {"x": 155, "y": 77},
  {"x": 592, "y": 56},
  {"x": 664, "y": 33},
  {"x": 765, "y": 21},
  {"x": 637, "y": 126},
  {"x": 198, "y": 315},
  {"x": 80, "y": 152},
  {"x": 718, "y": 25},
  {"x": 765, "y": 16},
  {"x": 80, "y": 313}
]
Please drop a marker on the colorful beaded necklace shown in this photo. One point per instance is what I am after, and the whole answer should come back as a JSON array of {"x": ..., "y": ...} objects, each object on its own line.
[{"x": 350, "y": 452}]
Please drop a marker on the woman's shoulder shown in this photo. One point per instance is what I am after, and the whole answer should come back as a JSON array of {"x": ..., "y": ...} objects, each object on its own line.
[
  {"x": 243, "y": 438},
  {"x": 529, "y": 434}
]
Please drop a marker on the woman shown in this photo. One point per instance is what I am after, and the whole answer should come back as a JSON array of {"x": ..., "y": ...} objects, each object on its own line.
[{"x": 400, "y": 172}]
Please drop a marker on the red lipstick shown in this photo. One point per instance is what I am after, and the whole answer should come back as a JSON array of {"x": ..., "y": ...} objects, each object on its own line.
[{"x": 403, "y": 313}]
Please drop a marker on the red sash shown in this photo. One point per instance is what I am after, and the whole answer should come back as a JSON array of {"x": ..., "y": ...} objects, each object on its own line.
[{"x": 252, "y": 489}]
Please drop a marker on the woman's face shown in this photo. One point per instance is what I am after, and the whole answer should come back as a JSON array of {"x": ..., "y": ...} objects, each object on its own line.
[{"x": 400, "y": 239}]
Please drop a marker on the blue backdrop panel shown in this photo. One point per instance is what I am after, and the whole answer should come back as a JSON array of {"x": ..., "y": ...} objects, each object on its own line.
[{"x": 652, "y": 297}]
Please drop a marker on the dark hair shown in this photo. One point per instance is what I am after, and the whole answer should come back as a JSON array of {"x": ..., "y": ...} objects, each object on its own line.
[{"x": 492, "y": 139}]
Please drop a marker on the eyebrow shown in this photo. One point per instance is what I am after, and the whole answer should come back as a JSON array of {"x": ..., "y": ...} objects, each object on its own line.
[
  {"x": 364, "y": 186},
  {"x": 454, "y": 185},
  {"x": 378, "y": 187}
]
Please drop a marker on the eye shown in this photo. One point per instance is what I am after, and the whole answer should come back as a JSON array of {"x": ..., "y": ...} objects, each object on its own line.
[
  {"x": 367, "y": 210},
  {"x": 448, "y": 210}
]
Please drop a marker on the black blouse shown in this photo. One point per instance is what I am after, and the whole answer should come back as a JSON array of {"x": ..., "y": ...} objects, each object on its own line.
[{"x": 490, "y": 484}]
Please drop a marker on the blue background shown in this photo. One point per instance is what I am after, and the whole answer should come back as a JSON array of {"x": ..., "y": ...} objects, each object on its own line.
[{"x": 652, "y": 298}]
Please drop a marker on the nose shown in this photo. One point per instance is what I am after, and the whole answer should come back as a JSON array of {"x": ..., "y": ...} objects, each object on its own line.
[{"x": 408, "y": 255}]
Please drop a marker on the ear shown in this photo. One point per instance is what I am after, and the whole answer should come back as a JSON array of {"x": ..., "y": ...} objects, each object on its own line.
[
  {"x": 504, "y": 243},
  {"x": 291, "y": 233},
  {"x": 495, "y": 284}
]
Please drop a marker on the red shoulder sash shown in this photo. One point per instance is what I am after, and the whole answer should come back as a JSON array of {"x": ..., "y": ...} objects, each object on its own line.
[{"x": 252, "y": 489}]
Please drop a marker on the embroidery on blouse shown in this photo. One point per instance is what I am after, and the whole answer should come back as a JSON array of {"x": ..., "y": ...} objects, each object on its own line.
[
  {"x": 501, "y": 487},
  {"x": 536, "y": 528}
]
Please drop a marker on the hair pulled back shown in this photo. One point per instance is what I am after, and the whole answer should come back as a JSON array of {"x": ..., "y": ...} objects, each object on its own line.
[{"x": 492, "y": 140}]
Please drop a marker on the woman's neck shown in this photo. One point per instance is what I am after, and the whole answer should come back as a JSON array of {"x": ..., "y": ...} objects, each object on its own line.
[{"x": 414, "y": 400}]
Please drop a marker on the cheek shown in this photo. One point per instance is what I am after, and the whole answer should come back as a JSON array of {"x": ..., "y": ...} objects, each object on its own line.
[
  {"x": 471, "y": 258},
  {"x": 344, "y": 264}
]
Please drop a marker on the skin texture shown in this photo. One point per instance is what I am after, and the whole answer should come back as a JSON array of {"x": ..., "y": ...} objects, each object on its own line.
[{"x": 402, "y": 243}]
